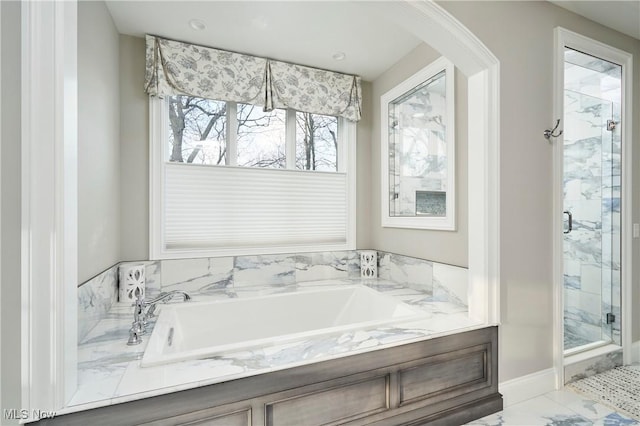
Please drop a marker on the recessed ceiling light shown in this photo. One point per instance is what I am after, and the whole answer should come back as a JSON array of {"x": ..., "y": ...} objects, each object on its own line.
[
  {"x": 197, "y": 24},
  {"x": 339, "y": 56}
]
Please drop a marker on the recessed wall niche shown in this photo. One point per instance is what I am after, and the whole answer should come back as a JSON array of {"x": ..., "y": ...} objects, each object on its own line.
[{"x": 418, "y": 152}]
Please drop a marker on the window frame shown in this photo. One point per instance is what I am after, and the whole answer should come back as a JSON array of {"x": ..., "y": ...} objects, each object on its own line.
[
  {"x": 440, "y": 223},
  {"x": 158, "y": 137}
]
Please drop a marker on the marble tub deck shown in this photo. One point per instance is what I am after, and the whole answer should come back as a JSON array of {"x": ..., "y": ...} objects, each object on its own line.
[{"x": 109, "y": 371}]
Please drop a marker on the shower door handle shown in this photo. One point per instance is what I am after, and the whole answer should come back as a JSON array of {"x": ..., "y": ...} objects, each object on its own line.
[{"x": 570, "y": 228}]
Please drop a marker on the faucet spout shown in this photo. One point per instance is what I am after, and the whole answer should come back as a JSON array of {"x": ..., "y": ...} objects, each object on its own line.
[
  {"x": 164, "y": 297},
  {"x": 140, "y": 317}
]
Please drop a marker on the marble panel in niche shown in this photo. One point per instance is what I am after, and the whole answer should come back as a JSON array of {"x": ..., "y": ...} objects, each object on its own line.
[
  {"x": 413, "y": 272},
  {"x": 203, "y": 275},
  {"x": 590, "y": 367},
  {"x": 451, "y": 283},
  {"x": 153, "y": 278},
  {"x": 353, "y": 264},
  {"x": 278, "y": 270},
  {"x": 322, "y": 265},
  {"x": 95, "y": 298}
]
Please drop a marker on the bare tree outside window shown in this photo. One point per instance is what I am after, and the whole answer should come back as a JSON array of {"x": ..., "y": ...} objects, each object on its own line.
[
  {"x": 261, "y": 137},
  {"x": 198, "y": 130},
  {"x": 316, "y": 142},
  {"x": 198, "y": 135}
]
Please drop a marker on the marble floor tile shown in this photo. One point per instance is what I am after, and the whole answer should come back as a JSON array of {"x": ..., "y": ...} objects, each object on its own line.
[{"x": 557, "y": 408}]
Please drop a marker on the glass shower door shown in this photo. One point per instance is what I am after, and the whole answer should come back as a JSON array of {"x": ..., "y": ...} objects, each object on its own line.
[{"x": 591, "y": 203}]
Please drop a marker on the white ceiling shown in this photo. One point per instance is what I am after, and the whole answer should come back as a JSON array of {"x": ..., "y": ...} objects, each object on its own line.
[
  {"x": 304, "y": 32},
  {"x": 622, "y": 16},
  {"x": 311, "y": 32}
]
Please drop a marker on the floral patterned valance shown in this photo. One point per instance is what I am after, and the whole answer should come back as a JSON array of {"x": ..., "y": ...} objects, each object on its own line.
[{"x": 181, "y": 68}]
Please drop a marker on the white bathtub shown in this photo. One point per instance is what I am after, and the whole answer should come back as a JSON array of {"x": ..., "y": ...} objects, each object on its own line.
[{"x": 199, "y": 330}]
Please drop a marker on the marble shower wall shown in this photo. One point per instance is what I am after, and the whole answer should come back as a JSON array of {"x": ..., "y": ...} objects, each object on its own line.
[
  {"x": 240, "y": 273},
  {"x": 592, "y": 195}
]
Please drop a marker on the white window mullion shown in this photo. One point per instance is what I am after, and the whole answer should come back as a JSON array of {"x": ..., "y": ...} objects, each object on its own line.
[
  {"x": 232, "y": 134},
  {"x": 290, "y": 139},
  {"x": 341, "y": 152}
]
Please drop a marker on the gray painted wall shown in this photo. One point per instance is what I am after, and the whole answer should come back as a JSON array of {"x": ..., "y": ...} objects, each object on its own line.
[
  {"x": 134, "y": 150},
  {"x": 440, "y": 246},
  {"x": 98, "y": 140},
  {"x": 364, "y": 182},
  {"x": 520, "y": 34},
  {"x": 10, "y": 197}
]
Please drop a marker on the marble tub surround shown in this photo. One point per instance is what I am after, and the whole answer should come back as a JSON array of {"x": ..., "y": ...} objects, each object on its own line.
[
  {"x": 231, "y": 274},
  {"x": 414, "y": 272},
  {"x": 95, "y": 299},
  {"x": 446, "y": 282},
  {"x": 204, "y": 275},
  {"x": 327, "y": 265},
  {"x": 110, "y": 372},
  {"x": 450, "y": 283},
  {"x": 196, "y": 275}
]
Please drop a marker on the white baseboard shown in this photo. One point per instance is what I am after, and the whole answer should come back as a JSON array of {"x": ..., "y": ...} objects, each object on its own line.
[
  {"x": 527, "y": 387},
  {"x": 635, "y": 352}
]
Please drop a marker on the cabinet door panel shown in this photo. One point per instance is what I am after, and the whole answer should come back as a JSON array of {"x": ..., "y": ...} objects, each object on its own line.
[
  {"x": 456, "y": 373},
  {"x": 332, "y": 406}
]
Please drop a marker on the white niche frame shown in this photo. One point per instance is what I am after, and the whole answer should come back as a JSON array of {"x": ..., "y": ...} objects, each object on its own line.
[{"x": 444, "y": 223}]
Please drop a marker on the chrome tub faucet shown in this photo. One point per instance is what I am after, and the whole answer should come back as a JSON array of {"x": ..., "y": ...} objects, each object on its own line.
[{"x": 140, "y": 317}]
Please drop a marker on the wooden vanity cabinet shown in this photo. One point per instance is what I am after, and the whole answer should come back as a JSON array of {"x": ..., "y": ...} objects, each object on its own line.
[{"x": 443, "y": 381}]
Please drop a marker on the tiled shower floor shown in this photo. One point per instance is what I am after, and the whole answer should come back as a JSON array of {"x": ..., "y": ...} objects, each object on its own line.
[{"x": 557, "y": 408}]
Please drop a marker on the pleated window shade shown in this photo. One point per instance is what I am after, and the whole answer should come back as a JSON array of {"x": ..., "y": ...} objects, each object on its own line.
[{"x": 214, "y": 207}]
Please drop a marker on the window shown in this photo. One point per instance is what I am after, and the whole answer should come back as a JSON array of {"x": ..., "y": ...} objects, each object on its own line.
[
  {"x": 261, "y": 137},
  {"x": 198, "y": 135},
  {"x": 198, "y": 129},
  {"x": 316, "y": 142},
  {"x": 229, "y": 178},
  {"x": 418, "y": 164}
]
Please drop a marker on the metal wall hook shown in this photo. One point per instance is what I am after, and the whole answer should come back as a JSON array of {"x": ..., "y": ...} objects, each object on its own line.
[{"x": 549, "y": 133}]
